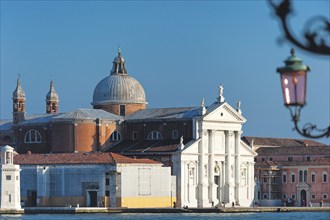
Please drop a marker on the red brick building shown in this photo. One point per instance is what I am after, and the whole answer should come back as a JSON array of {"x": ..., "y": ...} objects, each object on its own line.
[{"x": 291, "y": 171}]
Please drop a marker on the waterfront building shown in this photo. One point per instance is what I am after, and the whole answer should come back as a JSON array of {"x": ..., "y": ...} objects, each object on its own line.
[
  {"x": 94, "y": 179},
  {"x": 291, "y": 172},
  {"x": 201, "y": 144},
  {"x": 9, "y": 180}
]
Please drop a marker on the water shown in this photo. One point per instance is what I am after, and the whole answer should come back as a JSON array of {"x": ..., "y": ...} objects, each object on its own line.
[{"x": 170, "y": 216}]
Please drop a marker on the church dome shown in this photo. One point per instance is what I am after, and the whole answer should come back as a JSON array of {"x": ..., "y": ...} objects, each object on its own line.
[{"x": 119, "y": 87}]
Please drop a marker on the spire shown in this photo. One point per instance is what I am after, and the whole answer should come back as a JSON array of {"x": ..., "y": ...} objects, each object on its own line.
[
  {"x": 52, "y": 94},
  {"x": 52, "y": 99},
  {"x": 221, "y": 98},
  {"x": 18, "y": 103},
  {"x": 19, "y": 93},
  {"x": 118, "y": 64}
]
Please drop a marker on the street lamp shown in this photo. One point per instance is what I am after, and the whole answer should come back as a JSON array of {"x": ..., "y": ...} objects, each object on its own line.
[{"x": 294, "y": 81}]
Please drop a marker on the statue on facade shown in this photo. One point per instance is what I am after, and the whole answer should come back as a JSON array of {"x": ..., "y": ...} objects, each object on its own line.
[
  {"x": 239, "y": 107},
  {"x": 221, "y": 98}
]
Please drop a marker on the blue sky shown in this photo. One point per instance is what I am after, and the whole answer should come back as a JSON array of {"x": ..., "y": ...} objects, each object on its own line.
[{"x": 179, "y": 51}]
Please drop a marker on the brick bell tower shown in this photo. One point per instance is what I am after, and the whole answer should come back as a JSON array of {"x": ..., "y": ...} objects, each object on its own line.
[
  {"x": 18, "y": 103},
  {"x": 52, "y": 100}
]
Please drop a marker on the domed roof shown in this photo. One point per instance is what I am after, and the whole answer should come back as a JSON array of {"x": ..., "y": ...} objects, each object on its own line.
[
  {"x": 52, "y": 94},
  {"x": 119, "y": 87}
]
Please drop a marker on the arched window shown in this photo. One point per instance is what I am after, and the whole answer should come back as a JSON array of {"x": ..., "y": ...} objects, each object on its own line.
[
  {"x": 300, "y": 176},
  {"x": 313, "y": 177},
  {"x": 32, "y": 136},
  {"x": 324, "y": 176},
  {"x": 115, "y": 136},
  {"x": 305, "y": 176},
  {"x": 154, "y": 135},
  {"x": 284, "y": 177}
]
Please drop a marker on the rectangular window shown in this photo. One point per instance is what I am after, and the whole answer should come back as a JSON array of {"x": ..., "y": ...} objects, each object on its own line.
[
  {"x": 284, "y": 196},
  {"x": 262, "y": 159},
  {"x": 259, "y": 195},
  {"x": 313, "y": 196},
  {"x": 135, "y": 135},
  {"x": 265, "y": 196},
  {"x": 9, "y": 198},
  {"x": 293, "y": 196},
  {"x": 325, "y": 196},
  {"x": 107, "y": 182},
  {"x": 107, "y": 193},
  {"x": 308, "y": 158},
  {"x": 284, "y": 178},
  {"x": 175, "y": 134},
  {"x": 313, "y": 178},
  {"x": 8, "y": 177},
  {"x": 293, "y": 179},
  {"x": 265, "y": 180},
  {"x": 271, "y": 159},
  {"x": 122, "y": 110},
  {"x": 289, "y": 158}
]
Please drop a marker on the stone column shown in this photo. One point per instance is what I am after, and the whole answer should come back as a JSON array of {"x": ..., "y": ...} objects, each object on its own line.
[
  {"x": 212, "y": 186},
  {"x": 223, "y": 178},
  {"x": 229, "y": 196},
  {"x": 237, "y": 165},
  {"x": 202, "y": 172},
  {"x": 178, "y": 171},
  {"x": 250, "y": 177}
]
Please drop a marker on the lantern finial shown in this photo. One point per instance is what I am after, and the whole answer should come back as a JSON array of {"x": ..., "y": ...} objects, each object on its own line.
[{"x": 292, "y": 51}]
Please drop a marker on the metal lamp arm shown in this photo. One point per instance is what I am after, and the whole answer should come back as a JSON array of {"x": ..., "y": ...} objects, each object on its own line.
[{"x": 308, "y": 128}]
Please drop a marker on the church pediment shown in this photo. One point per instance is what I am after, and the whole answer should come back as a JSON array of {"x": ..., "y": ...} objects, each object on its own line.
[{"x": 223, "y": 113}]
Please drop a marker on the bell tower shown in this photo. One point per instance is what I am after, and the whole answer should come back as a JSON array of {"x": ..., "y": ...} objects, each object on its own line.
[
  {"x": 52, "y": 100},
  {"x": 9, "y": 180},
  {"x": 18, "y": 103}
]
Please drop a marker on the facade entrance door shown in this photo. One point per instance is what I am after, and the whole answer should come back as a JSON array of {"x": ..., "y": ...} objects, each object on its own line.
[
  {"x": 92, "y": 201},
  {"x": 31, "y": 198},
  {"x": 303, "y": 196}
]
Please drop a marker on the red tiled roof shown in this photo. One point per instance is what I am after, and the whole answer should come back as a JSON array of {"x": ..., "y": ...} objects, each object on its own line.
[
  {"x": 146, "y": 146},
  {"x": 77, "y": 158},
  {"x": 280, "y": 142},
  {"x": 317, "y": 162},
  {"x": 294, "y": 150}
]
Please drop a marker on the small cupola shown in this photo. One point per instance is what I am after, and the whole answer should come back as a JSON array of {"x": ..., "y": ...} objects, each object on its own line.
[
  {"x": 7, "y": 154},
  {"x": 118, "y": 64}
]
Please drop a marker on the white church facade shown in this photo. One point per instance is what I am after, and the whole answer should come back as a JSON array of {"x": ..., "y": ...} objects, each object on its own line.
[{"x": 216, "y": 168}]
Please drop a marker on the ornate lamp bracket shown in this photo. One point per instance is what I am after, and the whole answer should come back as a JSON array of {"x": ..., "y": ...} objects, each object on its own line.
[
  {"x": 308, "y": 130},
  {"x": 316, "y": 30}
]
